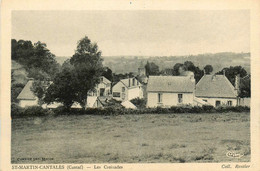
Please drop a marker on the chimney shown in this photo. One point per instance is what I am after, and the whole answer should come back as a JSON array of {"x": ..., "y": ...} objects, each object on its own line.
[
  {"x": 224, "y": 72},
  {"x": 129, "y": 82},
  {"x": 204, "y": 71}
]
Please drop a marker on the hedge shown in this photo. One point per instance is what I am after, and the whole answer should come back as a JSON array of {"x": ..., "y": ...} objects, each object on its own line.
[{"x": 16, "y": 111}]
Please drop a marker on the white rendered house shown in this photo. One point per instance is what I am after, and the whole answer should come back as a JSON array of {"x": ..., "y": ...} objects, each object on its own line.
[
  {"x": 127, "y": 89},
  {"x": 216, "y": 90},
  {"x": 167, "y": 91}
]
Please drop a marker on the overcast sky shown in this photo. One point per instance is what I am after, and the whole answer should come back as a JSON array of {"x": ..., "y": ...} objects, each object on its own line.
[{"x": 146, "y": 33}]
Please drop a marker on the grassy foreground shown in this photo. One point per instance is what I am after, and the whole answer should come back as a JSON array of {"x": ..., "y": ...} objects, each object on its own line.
[{"x": 147, "y": 138}]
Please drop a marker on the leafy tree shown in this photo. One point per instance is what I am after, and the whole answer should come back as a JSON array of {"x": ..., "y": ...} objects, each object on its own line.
[
  {"x": 176, "y": 68},
  {"x": 189, "y": 66},
  {"x": 88, "y": 66},
  {"x": 245, "y": 83},
  {"x": 63, "y": 89},
  {"x": 15, "y": 91},
  {"x": 245, "y": 86},
  {"x": 34, "y": 56},
  {"x": 152, "y": 69},
  {"x": 231, "y": 73},
  {"x": 208, "y": 69},
  {"x": 108, "y": 73}
]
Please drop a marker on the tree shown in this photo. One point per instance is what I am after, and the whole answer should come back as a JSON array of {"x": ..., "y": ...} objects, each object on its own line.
[
  {"x": 63, "y": 89},
  {"x": 34, "y": 56},
  {"x": 208, "y": 69},
  {"x": 108, "y": 73},
  {"x": 176, "y": 68},
  {"x": 88, "y": 66},
  {"x": 152, "y": 69},
  {"x": 189, "y": 66},
  {"x": 231, "y": 73},
  {"x": 245, "y": 83},
  {"x": 179, "y": 68},
  {"x": 245, "y": 86},
  {"x": 15, "y": 91}
]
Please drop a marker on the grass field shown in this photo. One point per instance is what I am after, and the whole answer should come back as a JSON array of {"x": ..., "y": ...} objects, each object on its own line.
[{"x": 146, "y": 138}]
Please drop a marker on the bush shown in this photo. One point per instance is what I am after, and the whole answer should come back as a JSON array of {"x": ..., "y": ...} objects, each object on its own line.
[
  {"x": 31, "y": 111},
  {"x": 139, "y": 103},
  {"x": 17, "y": 111},
  {"x": 207, "y": 108}
]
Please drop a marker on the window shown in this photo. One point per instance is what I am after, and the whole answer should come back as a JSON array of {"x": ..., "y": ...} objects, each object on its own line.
[
  {"x": 217, "y": 103},
  {"x": 133, "y": 82},
  {"x": 229, "y": 103},
  {"x": 159, "y": 97},
  {"x": 123, "y": 89},
  {"x": 180, "y": 99},
  {"x": 116, "y": 94}
]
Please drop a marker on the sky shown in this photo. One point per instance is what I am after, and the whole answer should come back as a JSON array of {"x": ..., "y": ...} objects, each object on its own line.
[{"x": 137, "y": 33}]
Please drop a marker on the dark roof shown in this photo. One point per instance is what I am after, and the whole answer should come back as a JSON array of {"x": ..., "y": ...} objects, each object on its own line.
[
  {"x": 26, "y": 93},
  {"x": 215, "y": 86},
  {"x": 170, "y": 84}
]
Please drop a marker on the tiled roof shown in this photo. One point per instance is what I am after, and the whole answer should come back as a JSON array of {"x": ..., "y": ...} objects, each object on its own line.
[
  {"x": 215, "y": 86},
  {"x": 26, "y": 93},
  {"x": 170, "y": 84}
]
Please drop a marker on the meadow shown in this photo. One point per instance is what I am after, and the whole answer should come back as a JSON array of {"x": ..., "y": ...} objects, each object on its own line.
[{"x": 144, "y": 138}]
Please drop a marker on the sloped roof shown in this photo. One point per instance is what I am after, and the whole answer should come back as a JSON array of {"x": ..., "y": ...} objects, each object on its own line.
[
  {"x": 26, "y": 93},
  {"x": 126, "y": 82},
  {"x": 200, "y": 101},
  {"x": 170, "y": 84},
  {"x": 91, "y": 101},
  {"x": 128, "y": 104},
  {"x": 215, "y": 86}
]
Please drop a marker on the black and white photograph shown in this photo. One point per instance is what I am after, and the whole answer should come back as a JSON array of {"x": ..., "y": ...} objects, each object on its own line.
[
  {"x": 114, "y": 87},
  {"x": 130, "y": 87}
]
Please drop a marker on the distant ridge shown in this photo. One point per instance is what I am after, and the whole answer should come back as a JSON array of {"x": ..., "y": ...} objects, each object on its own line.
[{"x": 126, "y": 64}]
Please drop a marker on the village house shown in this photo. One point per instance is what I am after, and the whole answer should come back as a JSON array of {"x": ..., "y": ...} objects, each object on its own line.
[
  {"x": 216, "y": 90},
  {"x": 127, "y": 89},
  {"x": 103, "y": 89},
  {"x": 26, "y": 96},
  {"x": 167, "y": 91}
]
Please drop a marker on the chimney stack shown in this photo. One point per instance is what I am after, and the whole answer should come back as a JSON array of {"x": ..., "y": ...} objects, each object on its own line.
[
  {"x": 224, "y": 72},
  {"x": 129, "y": 82}
]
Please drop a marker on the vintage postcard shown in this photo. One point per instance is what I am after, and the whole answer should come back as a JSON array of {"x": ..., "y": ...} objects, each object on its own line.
[{"x": 130, "y": 85}]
